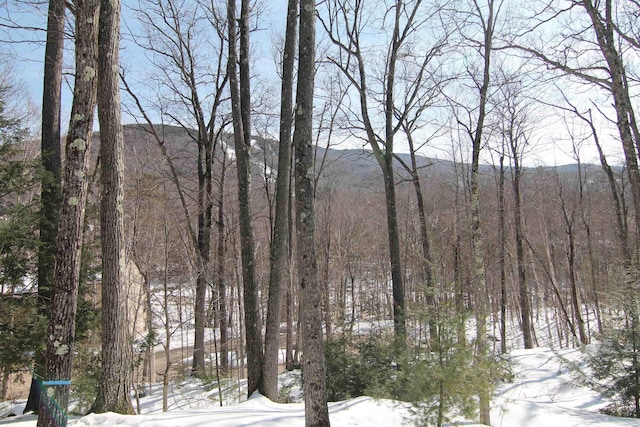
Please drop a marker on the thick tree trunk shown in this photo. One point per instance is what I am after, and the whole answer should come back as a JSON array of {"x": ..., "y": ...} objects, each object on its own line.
[
  {"x": 52, "y": 165},
  {"x": 115, "y": 385},
  {"x": 315, "y": 397},
  {"x": 242, "y": 141},
  {"x": 61, "y": 335},
  {"x": 203, "y": 252},
  {"x": 205, "y": 220},
  {"x": 281, "y": 227},
  {"x": 203, "y": 249}
]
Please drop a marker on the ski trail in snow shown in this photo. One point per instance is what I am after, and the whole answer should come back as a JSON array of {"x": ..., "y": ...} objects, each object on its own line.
[{"x": 545, "y": 395}]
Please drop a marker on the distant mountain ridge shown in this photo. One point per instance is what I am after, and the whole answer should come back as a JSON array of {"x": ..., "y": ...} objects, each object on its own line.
[{"x": 349, "y": 167}]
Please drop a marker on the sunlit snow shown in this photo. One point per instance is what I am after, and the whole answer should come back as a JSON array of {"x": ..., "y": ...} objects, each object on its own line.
[{"x": 542, "y": 395}]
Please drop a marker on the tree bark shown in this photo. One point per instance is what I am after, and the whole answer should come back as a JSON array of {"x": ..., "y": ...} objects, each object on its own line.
[
  {"x": 525, "y": 306},
  {"x": 427, "y": 261},
  {"x": 50, "y": 148},
  {"x": 315, "y": 396},
  {"x": 61, "y": 336},
  {"x": 203, "y": 244},
  {"x": 242, "y": 142},
  {"x": 223, "y": 322},
  {"x": 52, "y": 164},
  {"x": 479, "y": 278},
  {"x": 386, "y": 161},
  {"x": 503, "y": 258},
  {"x": 115, "y": 385},
  {"x": 281, "y": 226}
]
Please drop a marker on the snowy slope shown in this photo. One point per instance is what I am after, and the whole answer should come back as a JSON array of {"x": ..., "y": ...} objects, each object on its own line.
[{"x": 542, "y": 395}]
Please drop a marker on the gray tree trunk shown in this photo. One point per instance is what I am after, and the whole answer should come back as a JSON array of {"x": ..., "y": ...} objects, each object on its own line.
[
  {"x": 386, "y": 162},
  {"x": 315, "y": 396},
  {"x": 61, "y": 335},
  {"x": 115, "y": 385},
  {"x": 242, "y": 141},
  {"x": 203, "y": 241},
  {"x": 50, "y": 148},
  {"x": 221, "y": 311},
  {"x": 281, "y": 226},
  {"x": 427, "y": 261},
  {"x": 503, "y": 258},
  {"x": 525, "y": 306},
  {"x": 479, "y": 278},
  {"x": 51, "y": 158}
]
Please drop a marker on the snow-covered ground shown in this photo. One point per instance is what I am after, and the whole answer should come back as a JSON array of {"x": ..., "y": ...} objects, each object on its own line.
[{"x": 543, "y": 394}]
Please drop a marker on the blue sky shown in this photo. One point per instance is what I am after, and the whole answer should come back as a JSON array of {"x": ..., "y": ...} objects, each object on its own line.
[{"x": 26, "y": 51}]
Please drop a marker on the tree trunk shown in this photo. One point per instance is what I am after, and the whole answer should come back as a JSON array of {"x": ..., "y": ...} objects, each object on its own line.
[
  {"x": 61, "y": 336},
  {"x": 52, "y": 166},
  {"x": 114, "y": 388},
  {"x": 574, "y": 290},
  {"x": 386, "y": 161},
  {"x": 205, "y": 142},
  {"x": 525, "y": 306},
  {"x": 397, "y": 278},
  {"x": 315, "y": 397},
  {"x": 150, "y": 362},
  {"x": 479, "y": 278},
  {"x": 223, "y": 322},
  {"x": 242, "y": 141},
  {"x": 427, "y": 261},
  {"x": 203, "y": 249},
  {"x": 620, "y": 218},
  {"x": 281, "y": 227},
  {"x": 167, "y": 322},
  {"x": 503, "y": 259}
]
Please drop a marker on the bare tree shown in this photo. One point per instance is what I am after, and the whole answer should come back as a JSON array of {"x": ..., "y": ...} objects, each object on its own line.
[
  {"x": 615, "y": 42},
  {"x": 173, "y": 36},
  {"x": 570, "y": 228},
  {"x": 281, "y": 226},
  {"x": 114, "y": 388},
  {"x": 241, "y": 109},
  {"x": 420, "y": 96},
  {"x": 61, "y": 335},
  {"x": 516, "y": 128},
  {"x": 315, "y": 396},
  {"x": 485, "y": 16},
  {"x": 345, "y": 24}
]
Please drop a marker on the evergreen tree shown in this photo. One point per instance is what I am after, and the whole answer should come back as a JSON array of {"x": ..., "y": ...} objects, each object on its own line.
[
  {"x": 18, "y": 245},
  {"x": 613, "y": 367},
  {"x": 61, "y": 331}
]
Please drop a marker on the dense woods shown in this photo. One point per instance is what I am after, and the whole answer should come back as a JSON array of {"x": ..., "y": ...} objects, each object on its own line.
[{"x": 249, "y": 206}]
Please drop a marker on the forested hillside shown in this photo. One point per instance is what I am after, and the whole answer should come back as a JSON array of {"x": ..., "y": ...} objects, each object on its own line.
[{"x": 370, "y": 193}]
